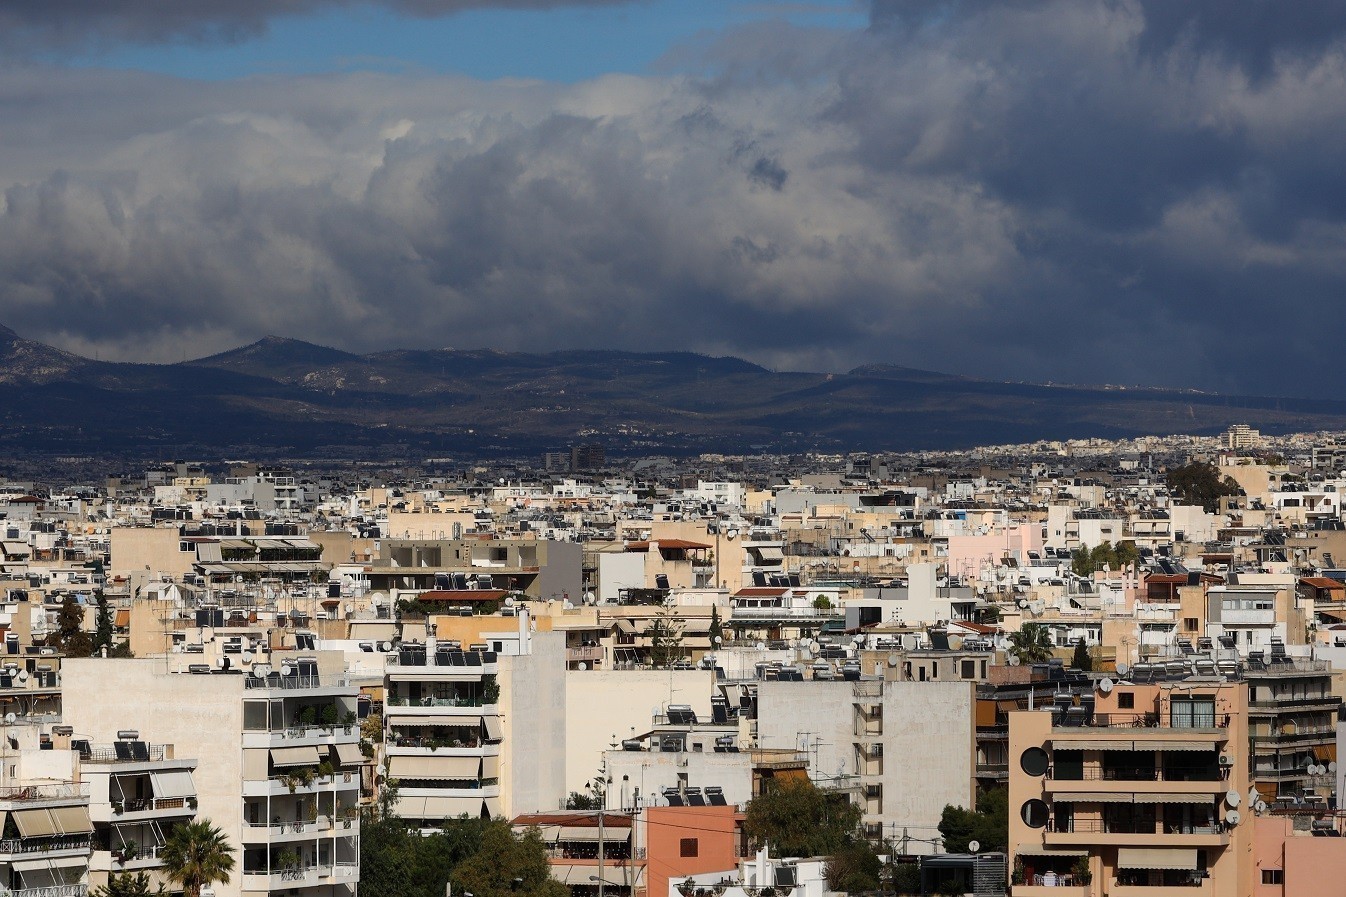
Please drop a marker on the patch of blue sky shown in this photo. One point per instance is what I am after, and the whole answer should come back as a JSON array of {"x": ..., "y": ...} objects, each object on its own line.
[{"x": 566, "y": 44}]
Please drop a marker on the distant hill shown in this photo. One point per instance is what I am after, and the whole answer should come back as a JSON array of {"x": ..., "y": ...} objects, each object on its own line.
[{"x": 282, "y": 395}]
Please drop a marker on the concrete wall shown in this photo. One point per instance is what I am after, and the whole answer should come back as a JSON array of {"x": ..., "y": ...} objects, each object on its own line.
[
  {"x": 603, "y": 706},
  {"x": 533, "y": 704},
  {"x": 139, "y": 548}
]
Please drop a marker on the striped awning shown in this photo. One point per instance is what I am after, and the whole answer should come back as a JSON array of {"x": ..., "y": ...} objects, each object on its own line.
[
  {"x": 1327, "y": 753},
  {"x": 494, "y": 731},
  {"x": 448, "y": 768},
  {"x": 348, "y": 754},
  {"x": 1050, "y": 852},
  {"x": 72, "y": 820},
  {"x": 1156, "y": 858},
  {"x": 35, "y": 823},
  {"x": 1095, "y": 797},
  {"x": 1205, "y": 746}
]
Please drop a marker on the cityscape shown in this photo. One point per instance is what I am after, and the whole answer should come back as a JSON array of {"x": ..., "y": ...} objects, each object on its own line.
[
  {"x": 1056, "y": 665},
  {"x": 672, "y": 448}
]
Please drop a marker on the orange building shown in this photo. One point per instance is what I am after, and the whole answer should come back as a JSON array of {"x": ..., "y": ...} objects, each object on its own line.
[{"x": 683, "y": 841}]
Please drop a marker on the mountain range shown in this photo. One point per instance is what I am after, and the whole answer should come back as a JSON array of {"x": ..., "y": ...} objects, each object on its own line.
[{"x": 285, "y": 396}]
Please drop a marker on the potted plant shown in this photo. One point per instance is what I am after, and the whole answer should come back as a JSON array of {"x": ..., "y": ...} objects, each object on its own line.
[
  {"x": 287, "y": 861},
  {"x": 1081, "y": 871},
  {"x": 117, "y": 807},
  {"x": 1018, "y": 873},
  {"x": 326, "y": 770},
  {"x": 347, "y": 721}
]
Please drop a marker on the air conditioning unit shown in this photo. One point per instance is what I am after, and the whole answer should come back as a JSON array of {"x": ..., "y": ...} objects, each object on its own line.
[{"x": 1226, "y": 760}]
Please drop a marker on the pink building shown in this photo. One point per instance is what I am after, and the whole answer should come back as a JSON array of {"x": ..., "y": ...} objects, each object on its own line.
[{"x": 1287, "y": 863}]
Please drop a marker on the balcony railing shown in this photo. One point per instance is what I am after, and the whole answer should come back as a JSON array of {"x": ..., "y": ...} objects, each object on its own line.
[
  {"x": 397, "y": 701},
  {"x": 1144, "y": 774},
  {"x": 109, "y": 755},
  {"x": 577, "y": 655},
  {"x": 1295, "y": 702},
  {"x": 296, "y": 683},
  {"x": 1129, "y": 827},
  {"x": 1149, "y": 721},
  {"x": 48, "y": 844},
  {"x": 43, "y": 792},
  {"x": 50, "y": 891},
  {"x": 142, "y": 805}
]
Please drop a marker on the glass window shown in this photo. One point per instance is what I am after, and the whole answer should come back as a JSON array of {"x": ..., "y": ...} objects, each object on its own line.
[
  {"x": 1192, "y": 713},
  {"x": 254, "y": 716}
]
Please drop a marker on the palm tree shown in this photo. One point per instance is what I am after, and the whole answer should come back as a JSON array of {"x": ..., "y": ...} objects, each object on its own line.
[
  {"x": 1031, "y": 644},
  {"x": 196, "y": 855}
]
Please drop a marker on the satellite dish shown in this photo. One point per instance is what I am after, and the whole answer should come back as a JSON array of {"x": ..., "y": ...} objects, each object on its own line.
[
  {"x": 761, "y": 646},
  {"x": 1123, "y": 669},
  {"x": 1332, "y": 766},
  {"x": 509, "y": 601},
  {"x": 1232, "y": 817},
  {"x": 583, "y": 667},
  {"x": 973, "y": 846},
  {"x": 23, "y": 675},
  {"x": 1260, "y": 806},
  {"x": 1105, "y": 685},
  {"x": 1014, "y": 660},
  {"x": 376, "y": 598},
  {"x": 1023, "y": 602},
  {"x": 247, "y": 657},
  {"x": 893, "y": 660},
  {"x": 1232, "y": 798},
  {"x": 350, "y": 608},
  {"x": 386, "y": 646},
  {"x": 955, "y": 643},
  {"x": 10, "y": 719}
]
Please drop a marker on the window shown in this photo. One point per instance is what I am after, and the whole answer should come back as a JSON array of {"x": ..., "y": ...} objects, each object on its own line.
[
  {"x": 1189, "y": 624},
  {"x": 1273, "y": 876},
  {"x": 1192, "y": 713},
  {"x": 969, "y": 669},
  {"x": 1126, "y": 700},
  {"x": 689, "y": 847}
]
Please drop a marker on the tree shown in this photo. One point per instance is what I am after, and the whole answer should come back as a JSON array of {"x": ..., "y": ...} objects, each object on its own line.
[
  {"x": 578, "y": 800},
  {"x": 509, "y": 865},
  {"x": 196, "y": 855},
  {"x": 854, "y": 867},
  {"x": 71, "y": 638},
  {"x": 102, "y": 635},
  {"x": 716, "y": 627},
  {"x": 796, "y": 818},
  {"x": 1081, "y": 659},
  {"x": 128, "y": 885},
  {"x": 1199, "y": 483},
  {"x": 665, "y": 640},
  {"x": 822, "y": 602},
  {"x": 1085, "y": 561},
  {"x": 988, "y": 824},
  {"x": 1031, "y": 644}
]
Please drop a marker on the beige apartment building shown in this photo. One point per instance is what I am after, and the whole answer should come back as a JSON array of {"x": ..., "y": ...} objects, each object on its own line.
[
  {"x": 276, "y": 749},
  {"x": 1146, "y": 794}
]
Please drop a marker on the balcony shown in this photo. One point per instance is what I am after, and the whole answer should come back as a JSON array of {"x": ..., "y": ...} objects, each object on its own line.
[
  {"x": 276, "y": 682},
  {"x": 1040, "y": 890},
  {"x": 134, "y": 810},
  {"x": 277, "y": 786},
  {"x": 1323, "y": 702},
  {"x": 1088, "y": 832},
  {"x": 11, "y": 848},
  {"x": 306, "y": 877},
  {"x": 35, "y": 794},
  {"x": 52, "y": 891},
  {"x": 1144, "y": 721},
  {"x": 592, "y": 654},
  {"x": 322, "y": 827}
]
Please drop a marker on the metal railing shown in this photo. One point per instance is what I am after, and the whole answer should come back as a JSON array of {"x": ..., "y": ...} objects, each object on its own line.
[
  {"x": 1129, "y": 827},
  {"x": 44, "y": 792},
  {"x": 141, "y": 805},
  {"x": 1148, "y": 721},
  {"x": 109, "y": 755},
  {"x": 1142, "y": 774},
  {"x": 295, "y": 683},
  {"x": 49, "y": 891},
  {"x": 46, "y": 844}
]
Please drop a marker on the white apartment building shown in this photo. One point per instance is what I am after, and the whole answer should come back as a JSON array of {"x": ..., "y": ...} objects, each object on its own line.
[{"x": 277, "y": 756}]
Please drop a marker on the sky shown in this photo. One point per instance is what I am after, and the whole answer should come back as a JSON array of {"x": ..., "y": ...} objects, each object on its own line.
[{"x": 1139, "y": 192}]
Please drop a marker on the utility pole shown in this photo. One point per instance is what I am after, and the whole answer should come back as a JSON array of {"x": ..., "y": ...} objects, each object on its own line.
[{"x": 600, "y": 847}]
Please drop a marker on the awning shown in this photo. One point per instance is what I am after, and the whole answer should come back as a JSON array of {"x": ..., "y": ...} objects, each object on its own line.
[
  {"x": 72, "y": 820},
  {"x": 494, "y": 731},
  {"x": 1327, "y": 753},
  {"x": 122, "y": 618},
  {"x": 412, "y": 720},
  {"x": 35, "y": 823},
  {"x": 1156, "y": 858},
  {"x": 588, "y": 833},
  {"x": 174, "y": 783},
  {"x": 1095, "y": 797},
  {"x": 490, "y": 767},
  {"x": 1050, "y": 852},
  {"x": 1204, "y": 746},
  {"x": 348, "y": 754},
  {"x": 490, "y": 807},
  {"x": 434, "y": 767},
  {"x": 294, "y": 756},
  {"x": 1173, "y": 797},
  {"x": 436, "y": 807},
  {"x": 769, "y": 553},
  {"x": 625, "y": 627},
  {"x": 1061, "y": 744},
  {"x": 40, "y": 865}
]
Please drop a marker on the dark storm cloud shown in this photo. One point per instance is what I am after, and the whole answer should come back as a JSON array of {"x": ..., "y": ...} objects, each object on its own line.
[
  {"x": 1067, "y": 191},
  {"x": 75, "y": 22}
]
